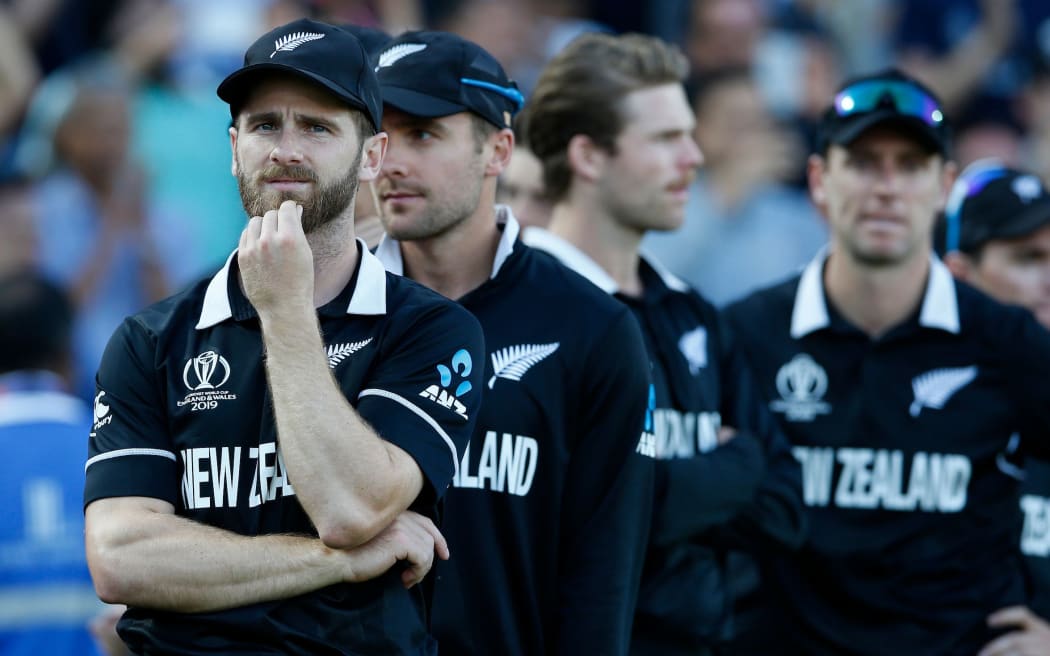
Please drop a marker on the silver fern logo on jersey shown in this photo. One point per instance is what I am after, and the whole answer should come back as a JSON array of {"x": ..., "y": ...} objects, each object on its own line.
[
  {"x": 511, "y": 362},
  {"x": 801, "y": 384},
  {"x": 338, "y": 352},
  {"x": 203, "y": 375},
  {"x": 693, "y": 346},
  {"x": 290, "y": 42},
  {"x": 933, "y": 388}
]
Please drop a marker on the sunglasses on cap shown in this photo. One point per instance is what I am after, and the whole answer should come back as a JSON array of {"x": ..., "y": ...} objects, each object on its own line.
[
  {"x": 907, "y": 99},
  {"x": 969, "y": 184}
]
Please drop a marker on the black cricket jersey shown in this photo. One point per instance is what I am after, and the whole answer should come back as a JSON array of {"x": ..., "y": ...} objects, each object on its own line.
[
  {"x": 913, "y": 514},
  {"x": 548, "y": 517},
  {"x": 183, "y": 413},
  {"x": 1035, "y": 533},
  {"x": 709, "y": 498}
]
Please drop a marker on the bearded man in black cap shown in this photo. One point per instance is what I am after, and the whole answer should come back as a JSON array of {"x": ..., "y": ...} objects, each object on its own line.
[
  {"x": 899, "y": 389},
  {"x": 269, "y": 447}
]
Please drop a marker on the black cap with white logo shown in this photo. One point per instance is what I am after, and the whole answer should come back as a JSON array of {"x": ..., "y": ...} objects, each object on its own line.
[
  {"x": 434, "y": 74},
  {"x": 991, "y": 201},
  {"x": 315, "y": 51}
]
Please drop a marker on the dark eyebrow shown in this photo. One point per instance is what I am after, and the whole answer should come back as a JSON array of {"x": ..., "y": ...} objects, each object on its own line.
[{"x": 310, "y": 119}]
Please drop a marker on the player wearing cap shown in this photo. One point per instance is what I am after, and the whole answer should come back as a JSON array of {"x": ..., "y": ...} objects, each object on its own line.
[
  {"x": 549, "y": 514},
  {"x": 996, "y": 236},
  {"x": 611, "y": 125},
  {"x": 900, "y": 390},
  {"x": 270, "y": 444}
]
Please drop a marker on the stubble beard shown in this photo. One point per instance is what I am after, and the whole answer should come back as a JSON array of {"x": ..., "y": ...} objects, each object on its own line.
[{"x": 325, "y": 204}]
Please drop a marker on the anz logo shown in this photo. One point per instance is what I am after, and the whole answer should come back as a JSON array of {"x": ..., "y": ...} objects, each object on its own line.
[{"x": 457, "y": 370}]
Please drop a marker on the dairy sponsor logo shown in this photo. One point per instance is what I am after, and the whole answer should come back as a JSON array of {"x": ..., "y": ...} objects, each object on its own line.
[
  {"x": 101, "y": 412},
  {"x": 1035, "y": 538}
]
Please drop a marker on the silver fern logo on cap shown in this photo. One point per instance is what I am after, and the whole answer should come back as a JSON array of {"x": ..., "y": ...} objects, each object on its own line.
[
  {"x": 290, "y": 42},
  {"x": 392, "y": 55}
]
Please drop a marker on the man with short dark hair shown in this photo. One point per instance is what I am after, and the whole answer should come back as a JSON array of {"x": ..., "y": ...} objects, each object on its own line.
[
  {"x": 270, "y": 446},
  {"x": 899, "y": 389},
  {"x": 549, "y": 514}
]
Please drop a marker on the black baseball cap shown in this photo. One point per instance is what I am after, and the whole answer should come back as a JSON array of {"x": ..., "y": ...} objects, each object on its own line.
[
  {"x": 889, "y": 97},
  {"x": 432, "y": 74},
  {"x": 315, "y": 51},
  {"x": 372, "y": 38},
  {"x": 992, "y": 201}
]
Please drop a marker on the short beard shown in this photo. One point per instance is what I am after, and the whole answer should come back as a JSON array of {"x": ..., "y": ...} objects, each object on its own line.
[{"x": 327, "y": 203}]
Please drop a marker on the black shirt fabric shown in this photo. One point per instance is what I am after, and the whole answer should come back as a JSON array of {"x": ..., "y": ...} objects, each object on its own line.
[
  {"x": 913, "y": 515},
  {"x": 548, "y": 517},
  {"x": 183, "y": 413},
  {"x": 709, "y": 498},
  {"x": 1035, "y": 534}
]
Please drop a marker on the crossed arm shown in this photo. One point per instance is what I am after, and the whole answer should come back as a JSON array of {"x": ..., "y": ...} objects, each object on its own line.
[{"x": 141, "y": 554}]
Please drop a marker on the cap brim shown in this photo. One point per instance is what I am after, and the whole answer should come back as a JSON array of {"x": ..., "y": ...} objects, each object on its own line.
[
  {"x": 853, "y": 128},
  {"x": 237, "y": 85},
  {"x": 1025, "y": 223},
  {"x": 419, "y": 104}
]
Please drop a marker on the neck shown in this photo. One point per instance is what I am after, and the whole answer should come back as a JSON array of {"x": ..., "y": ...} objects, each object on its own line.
[
  {"x": 458, "y": 261},
  {"x": 335, "y": 258},
  {"x": 875, "y": 299},
  {"x": 613, "y": 247}
]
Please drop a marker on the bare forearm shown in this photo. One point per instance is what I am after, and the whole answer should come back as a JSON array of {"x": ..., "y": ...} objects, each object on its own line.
[
  {"x": 168, "y": 562},
  {"x": 345, "y": 476}
]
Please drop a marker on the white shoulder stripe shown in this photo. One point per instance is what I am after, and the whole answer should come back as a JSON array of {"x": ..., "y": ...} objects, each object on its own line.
[
  {"x": 120, "y": 453},
  {"x": 427, "y": 418}
]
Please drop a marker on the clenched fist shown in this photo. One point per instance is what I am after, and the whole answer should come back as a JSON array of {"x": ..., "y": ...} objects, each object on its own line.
[{"x": 276, "y": 263}]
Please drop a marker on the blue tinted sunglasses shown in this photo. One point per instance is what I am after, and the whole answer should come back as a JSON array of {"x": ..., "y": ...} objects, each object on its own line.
[
  {"x": 907, "y": 98},
  {"x": 969, "y": 184}
]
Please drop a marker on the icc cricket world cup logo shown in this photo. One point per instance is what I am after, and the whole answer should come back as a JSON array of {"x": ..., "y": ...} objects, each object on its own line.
[{"x": 204, "y": 369}]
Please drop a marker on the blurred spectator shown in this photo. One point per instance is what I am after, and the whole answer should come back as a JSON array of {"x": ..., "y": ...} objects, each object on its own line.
[
  {"x": 988, "y": 129},
  {"x": 97, "y": 232},
  {"x": 1032, "y": 111},
  {"x": 724, "y": 34},
  {"x": 46, "y": 594},
  {"x": 970, "y": 48},
  {"x": 521, "y": 187},
  {"x": 19, "y": 73},
  {"x": 19, "y": 244},
  {"x": 743, "y": 227}
]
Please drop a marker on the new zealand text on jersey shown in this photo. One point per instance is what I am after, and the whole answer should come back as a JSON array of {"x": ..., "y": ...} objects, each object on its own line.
[
  {"x": 211, "y": 476},
  {"x": 875, "y": 478},
  {"x": 507, "y": 464}
]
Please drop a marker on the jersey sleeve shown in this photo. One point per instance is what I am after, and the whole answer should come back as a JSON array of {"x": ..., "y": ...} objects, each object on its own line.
[
  {"x": 607, "y": 502},
  {"x": 425, "y": 392},
  {"x": 776, "y": 515},
  {"x": 129, "y": 448},
  {"x": 1030, "y": 364}
]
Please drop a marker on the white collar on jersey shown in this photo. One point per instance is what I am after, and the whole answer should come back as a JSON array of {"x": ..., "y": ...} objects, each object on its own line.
[
  {"x": 389, "y": 250},
  {"x": 369, "y": 297},
  {"x": 940, "y": 308},
  {"x": 571, "y": 256}
]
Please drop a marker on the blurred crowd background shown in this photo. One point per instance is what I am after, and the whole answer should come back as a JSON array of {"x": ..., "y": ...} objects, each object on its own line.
[{"x": 115, "y": 167}]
